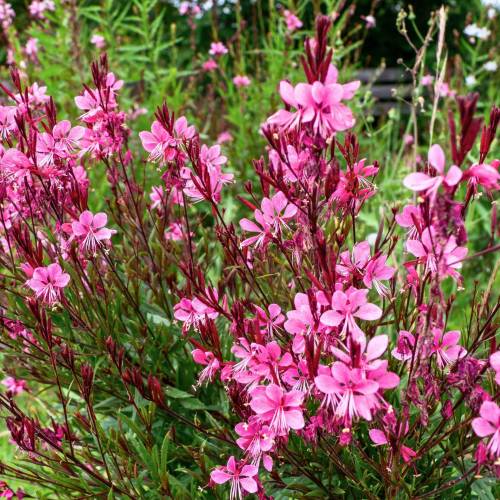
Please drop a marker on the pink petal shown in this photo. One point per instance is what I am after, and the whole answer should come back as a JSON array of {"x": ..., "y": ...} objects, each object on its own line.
[
  {"x": 436, "y": 157},
  {"x": 369, "y": 312},
  {"x": 220, "y": 477},
  {"x": 294, "y": 419},
  {"x": 453, "y": 176},
  {"x": 482, "y": 427},
  {"x": 331, "y": 318},
  {"x": 376, "y": 347},
  {"x": 419, "y": 181},
  {"x": 249, "y": 484},
  {"x": 326, "y": 384},
  {"x": 377, "y": 436}
]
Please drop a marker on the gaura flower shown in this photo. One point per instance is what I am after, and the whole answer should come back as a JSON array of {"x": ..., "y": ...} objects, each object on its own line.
[
  {"x": 241, "y": 477},
  {"x": 488, "y": 424},
  {"x": 48, "y": 283},
  {"x": 279, "y": 409}
]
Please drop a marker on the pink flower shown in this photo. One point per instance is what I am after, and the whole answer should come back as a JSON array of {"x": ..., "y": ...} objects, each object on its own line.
[
  {"x": 439, "y": 259},
  {"x": 216, "y": 178},
  {"x": 370, "y": 21},
  {"x": 14, "y": 386},
  {"x": 90, "y": 230},
  {"x": 484, "y": 175},
  {"x": 409, "y": 217},
  {"x": 241, "y": 477},
  {"x": 217, "y": 49},
  {"x": 174, "y": 232},
  {"x": 419, "y": 181},
  {"x": 209, "y": 65},
  {"x": 31, "y": 48},
  {"x": 275, "y": 213},
  {"x": 193, "y": 312},
  {"x": 377, "y": 270},
  {"x": 48, "y": 282},
  {"x": 269, "y": 322},
  {"x": 98, "y": 41},
  {"x": 281, "y": 410},
  {"x": 446, "y": 348},
  {"x": 212, "y": 156},
  {"x": 7, "y": 121},
  {"x": 292, "y": 21},
  {"x": 426, "y": 80},
  {"x": 224, "y": 136},
  {"x": 318, "y": 104},
  {"x": 444, "y": 90},
  {"x": 255, "y": 438},
  {"x": 495, "y": 364},
  {"x": 354, "y": 187},
  {"x": 304, "y": 320},
  {"x": 488, "y": 424},
  {"x": 348, "y": 306},
  {"x": 347, "y": 390},
  {"x": 241, "y": 81},
  {"x": 404, "y": 347},
  {"x": 207, "y": 359}
]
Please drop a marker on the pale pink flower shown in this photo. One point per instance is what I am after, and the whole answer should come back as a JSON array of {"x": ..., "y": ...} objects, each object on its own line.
[
  {"x": 446, "y": 347},
  {"x": 495, "y": 364},
  {"x": 404, "y": 347},
  {"x": 31, "y": 48},
  {"x": 91, "y": 232},
  {"x": 209, "y": 65},
  {"x": 224, "y": 136},
  {"x": 346, "y": 306},
  {"x": 370, "y": 21},
  {"x": 347, "y": 391},
  {"x": 279, "y": 409},
  {"x": 419, "y": 181},
  {"x": 37, "y": 8},
  {"x": 488, "y": 424},
  {"x": 98, "y": 41},
  {"x": 292, "y": 21},
  {"x": 217, "y": 49},
  {"x": 441, "y": 259},
  {"x": 241, "y": 81},
  {"x": 48, "y": 283},
  {"x": 427, "y": 80},
  {"x": 444, "y": 90},
  {"x": 408, "y": 140},
  {"x": 242, "y": 478},
  {"x": 14, "y": 386}
]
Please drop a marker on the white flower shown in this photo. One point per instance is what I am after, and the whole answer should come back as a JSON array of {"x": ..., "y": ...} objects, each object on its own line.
[
  {"x": 492, "y": 13},
  {"x": 470, "y": 81},
  {"x": 490, "y": 66},
  {"x": 473, "y": 30}
]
